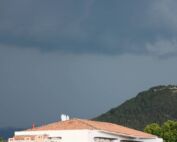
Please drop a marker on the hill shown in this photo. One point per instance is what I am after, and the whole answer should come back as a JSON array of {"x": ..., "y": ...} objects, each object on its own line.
[
  {"x": 6, "y": 133},
  {"x": 157, "y": 104}
]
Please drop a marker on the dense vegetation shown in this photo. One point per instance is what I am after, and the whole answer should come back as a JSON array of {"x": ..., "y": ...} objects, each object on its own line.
[
  {"x": 167, "y": 131},
  {"x": 156, "y": 105}
]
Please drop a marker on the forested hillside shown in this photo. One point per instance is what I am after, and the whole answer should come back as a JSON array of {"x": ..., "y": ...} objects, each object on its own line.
[{"x": 158, "y": 104}]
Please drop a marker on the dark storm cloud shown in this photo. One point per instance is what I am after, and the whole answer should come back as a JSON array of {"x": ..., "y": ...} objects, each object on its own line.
[
  {"x": 56, "y": 55},
  {"x": 91, "y": 26},
  {"x": 37, "y": 87}
]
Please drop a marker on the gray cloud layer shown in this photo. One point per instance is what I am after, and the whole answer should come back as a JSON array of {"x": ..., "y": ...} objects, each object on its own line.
[{"x": 82, "y": 26}]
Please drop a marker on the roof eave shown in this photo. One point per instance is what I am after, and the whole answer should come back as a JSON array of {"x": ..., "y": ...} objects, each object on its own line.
[{"x": 127, "y": 135}]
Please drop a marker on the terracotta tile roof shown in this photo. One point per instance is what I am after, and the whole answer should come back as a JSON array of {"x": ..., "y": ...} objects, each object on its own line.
[{"x": 77, "y": 124}]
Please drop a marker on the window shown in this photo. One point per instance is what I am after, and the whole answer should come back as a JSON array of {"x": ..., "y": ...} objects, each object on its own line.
[
  {"x": 129, "y": 141},
  {"x": 54, "y": 139},
  {"x": 27, "y": 138},
  {"x": 102, "y": 139}
]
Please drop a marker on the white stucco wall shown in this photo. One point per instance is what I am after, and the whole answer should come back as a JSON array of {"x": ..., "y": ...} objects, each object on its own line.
[
  {"x": 83, "y": 135},
  {"x": 66, "y": 135},
  {"x": 118, "y": 138},
  {"x": 153, "y": 140}
]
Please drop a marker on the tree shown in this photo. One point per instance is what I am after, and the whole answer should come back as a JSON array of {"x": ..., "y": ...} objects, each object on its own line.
[
  {"x": 154, "y": 129},
  {"x": 1, "y": 139},
  {"x": 167, "y": 131}
]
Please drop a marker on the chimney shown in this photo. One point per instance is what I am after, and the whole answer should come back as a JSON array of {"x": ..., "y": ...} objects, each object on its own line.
[{"x": 33, "y": 126}]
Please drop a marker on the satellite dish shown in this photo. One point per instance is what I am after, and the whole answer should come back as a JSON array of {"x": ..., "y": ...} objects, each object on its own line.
[
  {"x": 64, "y": 117},
  {"x": 67, "y": 117}
]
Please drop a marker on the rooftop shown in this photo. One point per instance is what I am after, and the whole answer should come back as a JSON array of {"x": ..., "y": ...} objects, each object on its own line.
[{"x": 78, "y": 124}]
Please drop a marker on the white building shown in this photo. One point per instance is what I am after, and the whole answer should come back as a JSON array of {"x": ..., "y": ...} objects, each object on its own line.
[{"x": 79, "y": 130}]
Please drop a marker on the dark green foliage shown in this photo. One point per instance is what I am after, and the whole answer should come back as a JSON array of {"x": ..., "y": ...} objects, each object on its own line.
[
  {"x": 156, "y": 105},
  {"x": 168, "y": 131},
  {"x": 1, "y": 140},
  {"x": 154, "y": 129}
]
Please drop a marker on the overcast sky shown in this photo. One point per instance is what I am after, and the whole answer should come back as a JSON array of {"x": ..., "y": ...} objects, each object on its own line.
[{"x": 81, "y": 57}]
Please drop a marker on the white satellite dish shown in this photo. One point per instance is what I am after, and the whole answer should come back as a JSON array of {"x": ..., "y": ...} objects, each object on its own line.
[
  {"x": 67, "y": 117},
  {"x": 64, "y": 117}
]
